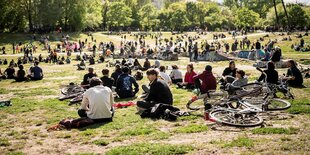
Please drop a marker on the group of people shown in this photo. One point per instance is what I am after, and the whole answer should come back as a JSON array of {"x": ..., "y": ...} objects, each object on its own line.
[
  {"x": 98, "y": 100},
  {"x": 35, "y": 73}
]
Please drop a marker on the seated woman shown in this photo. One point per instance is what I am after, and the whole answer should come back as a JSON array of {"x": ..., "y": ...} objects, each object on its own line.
[
  {"x": 241, "y": 80},
  {"x": 293, "y": 76},
  {"x": 21, "y": 74},
  {"x": 176, "y": 75},
  {"x": 81, "y": 66},
  {"x": 229, "y": 74},
  {"x": 189, "y": 82},
  {"x": 272, "y": 74},
  {"x": 146, "y": 65},
  {"x": 137, "y": 65}
]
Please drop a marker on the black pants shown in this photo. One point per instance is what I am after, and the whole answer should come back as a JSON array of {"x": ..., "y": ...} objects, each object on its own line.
[
  {"x": 175, "y": 81},
  {"x": 145, "y": 104},
  {"x": 82, "y": 113}
]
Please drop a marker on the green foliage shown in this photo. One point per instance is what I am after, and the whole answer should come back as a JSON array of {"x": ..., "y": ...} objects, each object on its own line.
[
  {"x": 299, "y": 106},
  {"x": 192, "y": 128},
  {"x": 297, "y": 16},
  {"x": 150, "y": 148},
  {"x": 119, "y": 14},
  {"x": 246, "y": 18},
  {"x": 265, "y": 131},
  {"x": 148, "y": 16},
  {"x": 138, "y": 131}
]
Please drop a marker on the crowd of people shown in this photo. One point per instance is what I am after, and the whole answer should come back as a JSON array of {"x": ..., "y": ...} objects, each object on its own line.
[{"x": 159, "y": 89}]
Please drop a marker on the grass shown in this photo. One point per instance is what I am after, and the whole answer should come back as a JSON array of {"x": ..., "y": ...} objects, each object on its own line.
[
  {"x": 151, "y": 149},
  {"x": 265, "y": 131},
  {"x": 241, "y": 141},
  {"x": 300, "y": 106},
  {"x": 101, "y": 142},
  {"x": 4, "y": 142},
  {"x": 138, "y": 131},
  {"x": 192, "y": 128}
]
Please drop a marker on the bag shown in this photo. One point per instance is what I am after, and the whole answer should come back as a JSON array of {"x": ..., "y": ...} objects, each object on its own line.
[{"x": 76, "y": 123}]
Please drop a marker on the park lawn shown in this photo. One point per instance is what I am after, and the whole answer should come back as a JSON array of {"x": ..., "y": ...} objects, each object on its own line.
[{"x": 36, "y": 108}]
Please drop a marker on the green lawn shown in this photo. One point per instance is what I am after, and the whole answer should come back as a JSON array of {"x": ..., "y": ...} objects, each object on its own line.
[{"x": 36, "y": 108}]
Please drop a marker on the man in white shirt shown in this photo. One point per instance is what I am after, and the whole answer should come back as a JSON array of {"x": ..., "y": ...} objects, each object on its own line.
[
  {"x": 97, "y": 103},
  {"x": 164, "y": 76}
]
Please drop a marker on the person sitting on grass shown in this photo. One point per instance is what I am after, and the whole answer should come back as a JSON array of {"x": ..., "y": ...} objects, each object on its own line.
[
  {"x": 229, "y": 74},
  {"x": 10, "y": 72},
  {"x": 157, "y": 63},
  {"x": 159, "y": 92},
  {"x": 208, "y": 81},
  {"x": 272, "y": 74},
  {"x": 116, "y": 73},
  {"x": 240, "y": 80},
  {"x": 188, "y": 80},
  {"x": 137, "y": 65},
  {"x": 36, "y": 72},
  {"x": 82, "y": 65},
  {"x": 146, "y": 65},
  {"x": 124, "y": 84},
  {"x": 293, "y": 76},
  {"x": 164, "y": 76},
  {"x": 106, "y": 81},
  {"x": 176, "y": 75},
  {"x": 97, "y": 103},
  {"x": 2, "y": 76},
  {"x": 87, "y": 77},
  {"x": 20, "y": 74}
]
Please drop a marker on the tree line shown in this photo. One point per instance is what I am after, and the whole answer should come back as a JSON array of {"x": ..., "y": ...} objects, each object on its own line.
[{"x": 172, "y": 15}]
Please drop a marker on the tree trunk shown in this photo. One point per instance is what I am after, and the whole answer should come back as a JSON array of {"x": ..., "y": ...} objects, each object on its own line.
[
  {"x": 277, "y": 17},
  {"x": 28, "y": 3},
  {"x": 288, "y": 21}
]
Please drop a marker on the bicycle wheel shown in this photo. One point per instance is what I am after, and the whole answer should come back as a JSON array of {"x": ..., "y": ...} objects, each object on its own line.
[
  {"x": 231, "y": 118},
  {"x": 277, "y": 104},
  {"x": 198, "y": 102}
]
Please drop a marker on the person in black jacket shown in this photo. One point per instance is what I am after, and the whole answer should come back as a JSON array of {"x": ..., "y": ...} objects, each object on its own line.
[
  {"x": 294, "y": 77},
  {"x": 159, "y": 92},
  {"x": 276, "y": 57},
  {"x": 229, "y": 74},
  {"x": 20, "y": 74},
  {"x": 116, "y": 74},
  {"x": 272, "y": 74},
  {"x": 106, "y": 81},
  {"x": 124, "y": 84},
  {"x": 87, "y": 77}
]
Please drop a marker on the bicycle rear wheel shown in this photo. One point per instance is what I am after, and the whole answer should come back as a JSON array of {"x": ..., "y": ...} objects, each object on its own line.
[
  {"x": 278, "y": 104},
  {"x": 236, "y": 119}
]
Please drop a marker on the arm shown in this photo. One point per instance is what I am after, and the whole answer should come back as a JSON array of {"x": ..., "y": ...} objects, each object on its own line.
[
  {"x": 261, "y": 78},
  {"x": 135, "y": 84},
  {"x": 85, "y": 103}
]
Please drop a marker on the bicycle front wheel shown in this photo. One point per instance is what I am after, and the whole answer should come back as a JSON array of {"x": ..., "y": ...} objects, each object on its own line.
[
  {"x": 236, "y": 119},
  {"x": 278, "y": 104}
]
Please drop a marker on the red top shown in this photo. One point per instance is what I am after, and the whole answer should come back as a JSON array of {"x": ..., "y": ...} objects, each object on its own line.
[
  {"x": 189, "y": 77},
  {"x": 208, "y": 81}
]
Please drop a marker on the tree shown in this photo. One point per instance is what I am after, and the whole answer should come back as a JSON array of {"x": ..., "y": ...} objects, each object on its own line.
[
  {"x": 177, "y": 13},
  {"x": 148, "y": 16},
  {"x": 119, "y": 15},
  {"x": 297, "y": 16},
  {"x": 246, "y": 18}
]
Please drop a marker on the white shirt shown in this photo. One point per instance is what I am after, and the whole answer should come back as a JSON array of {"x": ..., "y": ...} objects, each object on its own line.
[
  {"x": 157, "y": 63},
  {"x": 176, "y": 74},
  {"x": 165, "y": 77},
  {"x": 130, "y": 60},
  {"x": 98, "y": 102}
]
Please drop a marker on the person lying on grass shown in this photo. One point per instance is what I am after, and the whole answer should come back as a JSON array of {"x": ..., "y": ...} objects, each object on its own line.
[
  {"x": 97, "y": 103},
  {"x": 159, "y": 92}
]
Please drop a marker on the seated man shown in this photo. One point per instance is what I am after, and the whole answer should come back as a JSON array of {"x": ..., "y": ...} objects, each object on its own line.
[
  {"x": 159, "y": 92},
  {"x": 208, "y": 80},
  {"x": 124, "y": 84},
  {"x": 97, "y": 103},
  {"x": 106, "y": 81},
  {"x": 239, "y": 81},
  {"x": 10, "y": 72},
  {"x": 294, "y": 77},
  {"x": 87, "y": 77},
  {"x": 36, "y": 72}
]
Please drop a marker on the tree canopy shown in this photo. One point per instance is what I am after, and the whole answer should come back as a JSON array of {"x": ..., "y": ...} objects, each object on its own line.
[{"x": 180, "y": 15}]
